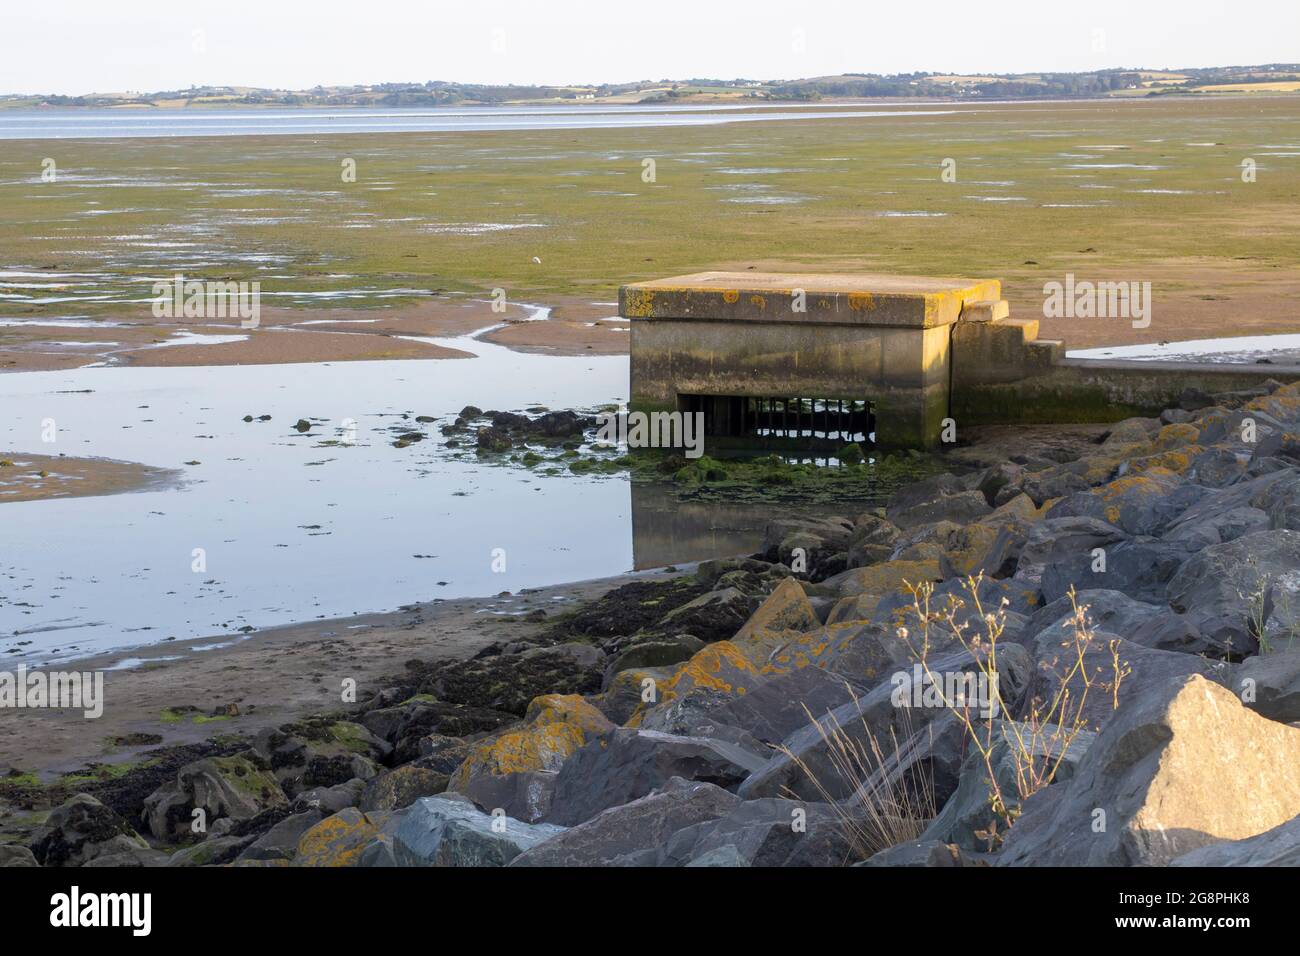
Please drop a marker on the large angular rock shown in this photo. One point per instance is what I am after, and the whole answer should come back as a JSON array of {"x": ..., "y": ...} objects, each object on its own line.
[
  {"x": 651, "y": 653},
  {"x": 214, "y": 851},
  {"x": 448, "y": 830},
  {"x": 923, "y": 853},
  {"x": 786, "y": 609},
  {"x": 765, "y": 832},
  {"x": 625, "y": 764},
  {"x": 1218, "y": 527},
  {"x": 1182, "y": 766},
  {"x": 1269, "y": 684},
  {"x": 1058, "y": 539},
  {"x": 863, "y": 589},
  {"x": 1279, "y": 846},
  {"x": 1105, "y": 610},
  {"x": 1244, "y": 588},
  {"x": 633, "y": 828},
  {"x": 80, "y": 830},
  {"x": 338, "y": 840},
  {"x": 877, "y": 719},
  {"x": 16, "y": 856},
  {"x": 768, "y": 712},
  {"x": 1020, "y": 752},
  {"x": 1144, "y": 669},
  {"x": 1139, "y": 567},
  {"x": 330, "y": 799},
  {"x": 239, "y": 787},
  {"x": 281, "y": 841},
  {"x": 727, "y": 670},
  {"x": 395, "y": 789},
  {"x": 1043, "y": 486},
  {"x": 926, "y": 490},
  {"x": 819, "y": 538},
  {"x": 961, "y": 508},
  {"x": 516, "y": 771},
  {"x": 1177, "y": 632},
  {"x": 872, "y": 541},
  {"x": 1138, "y": 504}
]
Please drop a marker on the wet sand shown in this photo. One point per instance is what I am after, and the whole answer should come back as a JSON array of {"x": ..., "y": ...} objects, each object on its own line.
[
  {"x": 26, "y": 477},
  {"x": 270, "y": 676},
  {"x": 314, "y": 335}
]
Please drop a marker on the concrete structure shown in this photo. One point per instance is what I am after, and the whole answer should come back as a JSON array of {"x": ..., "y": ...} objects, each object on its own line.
[
  {"x": 766, "y": 355},
  {"x": 879, "y": 339}
]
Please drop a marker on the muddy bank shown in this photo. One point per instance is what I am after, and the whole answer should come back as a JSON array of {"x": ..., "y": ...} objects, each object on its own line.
[
  {"x": 571, "y": 327},
  {"x": 186, "y": 692},
  {"x": 26, "y": 477}
]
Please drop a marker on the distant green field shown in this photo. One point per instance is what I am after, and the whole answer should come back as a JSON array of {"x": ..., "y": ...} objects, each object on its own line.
[{"x": 1040, "y": 189}]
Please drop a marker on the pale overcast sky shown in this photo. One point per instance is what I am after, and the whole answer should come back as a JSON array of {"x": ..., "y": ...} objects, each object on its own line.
[{"x": 79, "y": 46}]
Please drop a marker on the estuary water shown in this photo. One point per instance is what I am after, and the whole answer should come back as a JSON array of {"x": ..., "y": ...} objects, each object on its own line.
[{"x": 136, "y": 122}]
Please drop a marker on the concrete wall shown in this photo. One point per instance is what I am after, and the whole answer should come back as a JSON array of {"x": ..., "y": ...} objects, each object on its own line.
[
  {"x": 902, "y": 372},
  {"x": 1088, "y": 390}
]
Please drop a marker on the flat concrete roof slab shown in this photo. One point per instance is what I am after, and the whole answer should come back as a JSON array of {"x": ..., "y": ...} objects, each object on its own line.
[{"x": 840, "y": 299}]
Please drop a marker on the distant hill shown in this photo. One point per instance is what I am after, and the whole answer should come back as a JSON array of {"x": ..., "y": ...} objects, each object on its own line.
[{"x": 1270, "y": 78}]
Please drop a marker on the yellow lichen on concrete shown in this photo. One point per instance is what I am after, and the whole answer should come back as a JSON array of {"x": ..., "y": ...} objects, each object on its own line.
[{"x": 638, "y": 303}]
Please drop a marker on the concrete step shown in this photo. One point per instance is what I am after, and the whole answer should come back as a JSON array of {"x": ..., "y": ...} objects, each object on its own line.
[
  {"x": 987, "y": 310},
  {"x": 1028, "y": 328},
  {"x": 1045, "y": 352}
]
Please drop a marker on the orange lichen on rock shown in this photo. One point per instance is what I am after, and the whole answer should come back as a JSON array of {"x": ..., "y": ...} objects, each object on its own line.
[
  {"x": 337, "y": 840},
  {"x": 558, "y": 725}
]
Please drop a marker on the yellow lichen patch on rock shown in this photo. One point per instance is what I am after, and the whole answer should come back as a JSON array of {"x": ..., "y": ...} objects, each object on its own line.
[
  {"x": 1283, "y": 404},
  {"x": 558, "y": 725},
  {"x": 337, "y": 840},
  {"x": 1173, "y": 436},
  {"x": 622, "y": 700},
  {"x": 969, "y": 546},
  {"x": 720, "y": 668},
  {"x": 888, "y": 576},
  {"x": 569, "y": 708},
  {"x": 787, "y": 608},
  {"x": 1096, "y": 469},
  {"x": 866, "y": 587},
  {"x": 1019, "y": 508},
  {"x": 1176, "y": 460},
  {"x": 1139, "y": 484}
]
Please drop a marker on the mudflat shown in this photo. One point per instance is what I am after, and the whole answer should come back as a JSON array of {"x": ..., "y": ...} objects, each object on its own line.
[
  {"x": 25, "y": 477},
  {"x": 1149, "y": 190}
]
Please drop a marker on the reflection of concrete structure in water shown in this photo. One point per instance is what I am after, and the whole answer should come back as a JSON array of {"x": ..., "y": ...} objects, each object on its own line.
[
  {"x": 832, "y": 358},
  {"x": 666, "y": 530}
]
